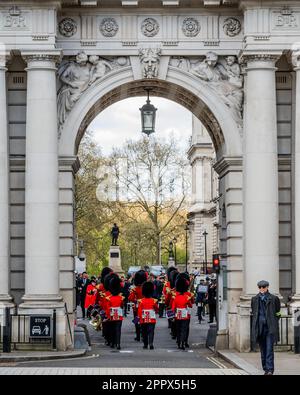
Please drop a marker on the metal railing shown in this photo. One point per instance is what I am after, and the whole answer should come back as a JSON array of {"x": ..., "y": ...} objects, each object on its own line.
[{"x": 15, "y": 331}]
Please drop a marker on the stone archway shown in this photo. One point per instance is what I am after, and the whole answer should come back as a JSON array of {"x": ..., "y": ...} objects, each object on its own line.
[
  {"x": 179, "y": 86},
  {"x": 189, "y": 91}
]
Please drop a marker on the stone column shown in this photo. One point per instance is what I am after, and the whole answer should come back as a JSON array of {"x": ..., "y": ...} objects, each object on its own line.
[
  {"x": 296, "y": 63},
  {"x": 261, "y": 212},
  {"x": 5, "y": 298},
  {"x": 41, "y": 184}
]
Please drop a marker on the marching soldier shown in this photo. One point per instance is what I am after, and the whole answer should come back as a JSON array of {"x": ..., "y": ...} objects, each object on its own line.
[
  {"x": 167, "y": 294},
  {"x": 114, "y": 311},
  {"x": 135, "y": 296},
  {"x": 147, "y": 309},
  {"x": 180, "y": 305}
]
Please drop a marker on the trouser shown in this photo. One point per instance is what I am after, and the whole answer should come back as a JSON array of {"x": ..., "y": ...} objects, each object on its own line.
[
  {"x": 116, "y": 327},
  {"x": 82, "y": 302},
  {"x": 173, "y": 329},
  {"x": 182, "y": 331},
  {"x": 161, "y": 310},
  {"x": 107, "y": 331},
  {"x": 266, "y": 345},
  {"x": 125, "y": 307},
  {"x": 148, "y": 334},
  {"x": 137, "y": 328},
  {"x": 200, "y": 312},
  {"x": 212, "y": 311}
]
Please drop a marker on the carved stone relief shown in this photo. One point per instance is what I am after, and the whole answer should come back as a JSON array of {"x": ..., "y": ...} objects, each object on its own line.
[
  {"x": 76, "y": 76},
  {"x": 67, "y": 27},
  {"x": 223, "y": 75},
  {"x": 286, "y": 19},
  {"x": 190, "y": 27},
  {"x": 150, "y": 27},
  {"x": 232, "y": 27},
  {"x": 15, "y": 19},
  {"x": 150, "y": 58},
  {"x": 109, "y": 27}
]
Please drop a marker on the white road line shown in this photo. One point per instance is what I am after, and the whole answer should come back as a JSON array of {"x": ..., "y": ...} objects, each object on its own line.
[
  {"x": 216, "y": 362},
  {"x": 59, "y": 360}
]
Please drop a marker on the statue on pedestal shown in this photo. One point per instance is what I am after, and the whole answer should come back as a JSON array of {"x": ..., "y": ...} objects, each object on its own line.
[{"x": 115, "y": 234}]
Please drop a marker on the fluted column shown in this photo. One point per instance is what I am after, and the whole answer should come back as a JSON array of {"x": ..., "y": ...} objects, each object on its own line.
[
  {"x": 296, "y": 63},
  {"x": 41, "y": 183},
  {"x": 5, "y": 298},
  {"x": 261, "y": 211}
]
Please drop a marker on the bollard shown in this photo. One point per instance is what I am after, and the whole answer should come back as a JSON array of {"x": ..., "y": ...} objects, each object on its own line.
[
  {"x": 7, "y": 332},
  {"x": 297, "y": 331}
]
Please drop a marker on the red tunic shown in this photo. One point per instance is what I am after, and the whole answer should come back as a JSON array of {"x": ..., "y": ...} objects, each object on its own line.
[
  {"x": 135, "y": 296},
  {"x": 145, "y": 310},
  {"x": 180, "y": 303},
  {"x": 90, "y": 298},
  {"x": 114, "y": 308}
]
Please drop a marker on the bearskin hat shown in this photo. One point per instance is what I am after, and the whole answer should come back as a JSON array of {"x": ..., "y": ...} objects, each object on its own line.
[
  {"x": 169, "y": 271},
  {"x": 140, "y": 277},
  {"x": 114, "y": 285},
  {"x": 148, "y": 289},
  {"x": 182, "y": 283},
  {"x": 173, "y": 277},
  {"x": 104, "y": 273},
  {"x": 107, "y": 279}
]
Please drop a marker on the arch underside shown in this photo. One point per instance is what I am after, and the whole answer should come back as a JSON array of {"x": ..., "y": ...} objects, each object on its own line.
[{"x": 160, "y": 88}]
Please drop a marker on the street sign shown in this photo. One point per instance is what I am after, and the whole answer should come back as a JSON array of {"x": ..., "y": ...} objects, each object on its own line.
[{"x": 40, "y": 327}]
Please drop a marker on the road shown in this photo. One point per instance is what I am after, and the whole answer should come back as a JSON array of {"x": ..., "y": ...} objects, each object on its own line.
[{"x": 132, "y": 355}]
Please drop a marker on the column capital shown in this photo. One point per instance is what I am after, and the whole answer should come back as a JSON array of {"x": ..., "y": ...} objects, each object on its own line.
[
  {"x": 259, "y": 60},
  {"x": 42, "y": 59},
  {"x": 4, "y": 59}
]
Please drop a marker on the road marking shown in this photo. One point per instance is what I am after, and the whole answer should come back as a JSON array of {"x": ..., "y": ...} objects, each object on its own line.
[
  {"x": 60, "y": 360},
  {"x": 216, "y": 362}
]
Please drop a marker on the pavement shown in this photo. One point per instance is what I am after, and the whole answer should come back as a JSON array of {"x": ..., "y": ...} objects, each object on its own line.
[
  {"x": 24, "y": 356},
  {"x": 132, "y": 359},
  {"x": 286, "y": 363}
]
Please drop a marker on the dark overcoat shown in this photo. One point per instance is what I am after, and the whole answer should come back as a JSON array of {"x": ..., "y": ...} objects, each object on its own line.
[{"x": 272, "y": 315}]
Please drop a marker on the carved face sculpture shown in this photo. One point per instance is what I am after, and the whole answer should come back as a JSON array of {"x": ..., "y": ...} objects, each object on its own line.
[
  {"x": 211, "y": 59},
  {"x": 82, "y": 58},
  {"x": 230, "y": 60},
  {"x": 94, "y": 59}
]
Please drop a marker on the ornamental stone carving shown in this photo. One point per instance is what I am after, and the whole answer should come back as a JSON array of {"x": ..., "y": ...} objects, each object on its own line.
[
  {"x": 150, "y": 27},
  {"x": 109, "y": 27},
  {"x": 223, "y": 75},
  {"x": 232, "y": 27},
  {"x": 190, "y": 27},
  {"x": 150, "y": 59},
  {"x": 76, "y": 76},
  {"x": 14, "y": 19},
  {"x": 67, "y": 27}
]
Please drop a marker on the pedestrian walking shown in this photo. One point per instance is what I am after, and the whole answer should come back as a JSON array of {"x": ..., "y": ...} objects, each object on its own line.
[
  {"x": 212, "y": 301},
  {"x": 180, "y": 305},
  {"x": 114, "y": 311},
  {"x": 201, "y": 294},
  {"x": 147, "y": 309},
  {"x": 83, "y": 284},
  {"x": 265, "y": 324}
]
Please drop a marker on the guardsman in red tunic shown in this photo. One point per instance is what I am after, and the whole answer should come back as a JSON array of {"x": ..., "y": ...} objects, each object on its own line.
[
  {"x": 90, "y": 299},
  {"x": 100, "y": 288},
  {"x": 147, "y": 309},
  {"x": 167, "y": 294},
  {"x": 106, "y": 321},
  {"x": 181, "y": 306},
  {"x": 114, "y": 311},
  {"x": 135, "y": 296}
]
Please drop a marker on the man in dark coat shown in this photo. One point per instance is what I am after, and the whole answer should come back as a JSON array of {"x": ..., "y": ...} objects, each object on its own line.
[{"x": 265, "y": 329}]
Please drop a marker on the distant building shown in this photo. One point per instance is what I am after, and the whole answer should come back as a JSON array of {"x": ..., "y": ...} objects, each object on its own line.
[{"x": 203, "y": 212}]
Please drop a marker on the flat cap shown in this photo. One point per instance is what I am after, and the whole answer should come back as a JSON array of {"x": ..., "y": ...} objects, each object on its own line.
[{"x": 263, "y": 283}]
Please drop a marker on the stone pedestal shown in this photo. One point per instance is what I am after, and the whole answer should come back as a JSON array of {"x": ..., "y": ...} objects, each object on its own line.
[
  {"x": 171, "y": 262},
  {"x": 115, "y": 259}
]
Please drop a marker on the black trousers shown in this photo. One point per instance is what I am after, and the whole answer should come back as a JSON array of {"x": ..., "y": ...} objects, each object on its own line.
[
  {"x": 116, "y": 328},
  {"x": 107, "y": 333},
  {"x": 212, "y": 311},
  {"x": 82, "y": 302},
  {"x": 200, "y": 312},
  {"x": 161, "y": 310},
  {"x": 173, "y": 329},
  {"x": 148, "y": 334},
  {"x": 183, "y": 328}
]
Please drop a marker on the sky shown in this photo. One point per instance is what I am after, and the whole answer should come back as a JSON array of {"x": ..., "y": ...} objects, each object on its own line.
[{"x": 122, "y": 121}]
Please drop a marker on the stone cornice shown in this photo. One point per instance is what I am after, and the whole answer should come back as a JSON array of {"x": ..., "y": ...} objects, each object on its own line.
[{"x": 226, "y": 164}]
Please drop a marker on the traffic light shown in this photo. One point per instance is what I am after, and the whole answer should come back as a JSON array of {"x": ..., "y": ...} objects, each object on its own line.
[{"x": 216, "y": 263}]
